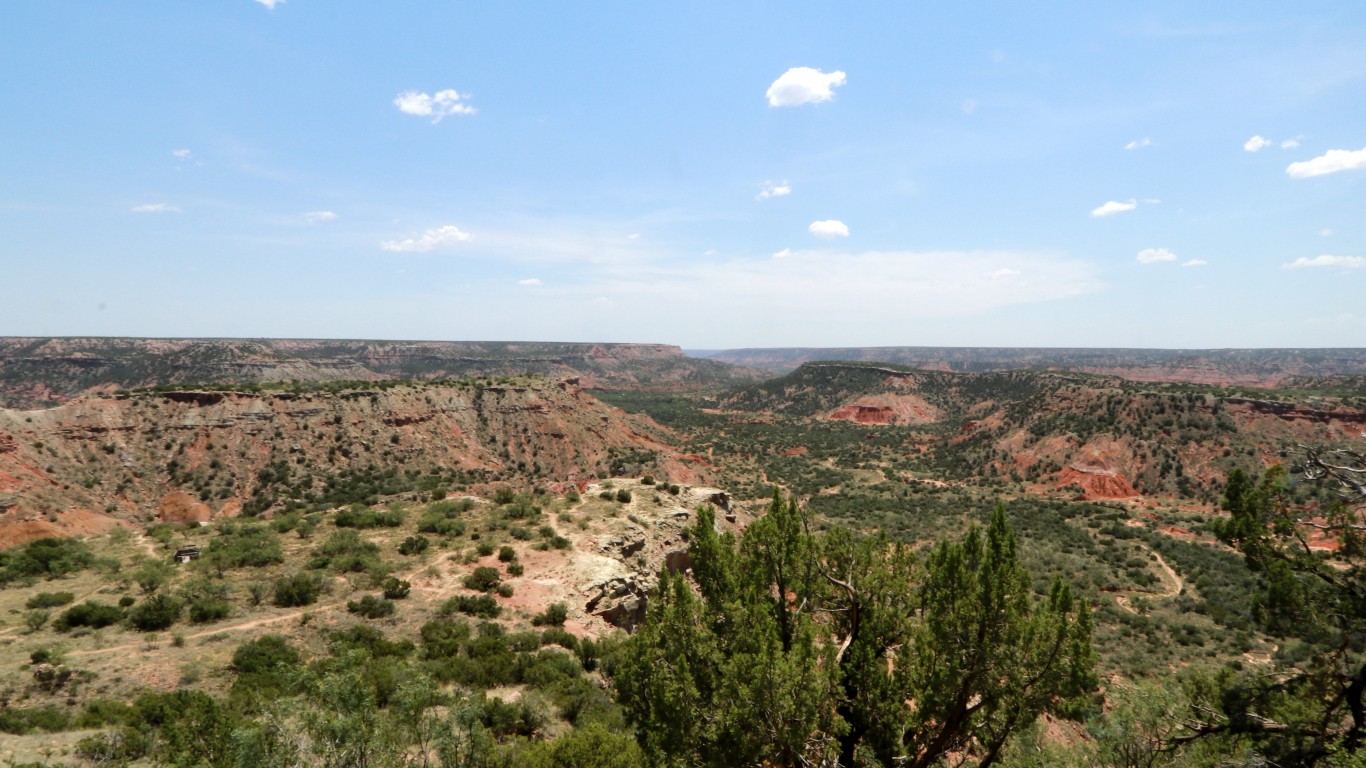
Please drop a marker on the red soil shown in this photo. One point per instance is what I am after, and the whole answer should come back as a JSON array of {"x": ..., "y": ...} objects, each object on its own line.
[{"x": 1097, "y": 483}]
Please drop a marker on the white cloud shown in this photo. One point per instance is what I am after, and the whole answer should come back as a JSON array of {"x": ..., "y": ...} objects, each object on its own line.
[
  {"x": 530, "y": 281},
  {"x": 437, "y": 105},
  {"x": 432, "y": 238},
  {"x": 314, "y": 217},
  {"x": 1195, "y": 263},
  {"x": 1256, "y": 144},
  {"x": 1113, "y": 207},
  {"x": 270, "y": 3},
  {"x": 829, "y": 229},
  {"x": 1155, "y": 255},
  {"x": 633, "y": 236},
  {"x": 1139, "y": 143},
  {"x": 1346, "y": 262},
  {"x": 155, "y": 208},
  {"x": 183, "y": 154},
  {"x": 774, "y": 189},
  {"x": 1332, "y": 161},
  {"x": 783, "y": 254},
  {"x": 803, "y": 85},
  {"x": 1003, "y": 272},
  {"x": 1325, "y": 232},
  {"x": 969, "y": 106},
  {"x": 1290, "y": 144},
  {"x": 709, "y": 252}
]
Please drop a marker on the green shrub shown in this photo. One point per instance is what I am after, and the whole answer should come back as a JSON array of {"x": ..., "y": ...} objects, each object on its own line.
[
  {"x": 346, "y": 552},
  {"x": 264, "y": 654},
  {"x": 522, "y": 510},
  {"x": 623, "y": 495},
  {"x": 45, "y": 558},
  {"x": 588, "y": 654},
  {"x": 504, "y": 589},
  {"x": 515, "y": 719},
  {"x": 244, "y": 545},
  {"x": 298, "y": 590},
  {"x": 504, "y": 496},
  {"x": 93, "y": 615},
  {"x": 360, "y": 516},
  {"x": 19, "y": 721},
  {"x": 484, "y": 579},
  {"x": 152, "y": 575},
  {"x": 516, "y": 569},
  {"x": 374, "y": 643},
  {"x": 484, "y": 549},
  {"x": 49, "y": 600},
  {"x": 117, "y": 747},
  {"x": 414, "y": 545},
  {"x": 443, "y": 639},
  {"x": 207, "y": 609},
  {"x": 481, "y": 606},
  {"x": 554, "y": 616},
  {"x": 101, "y": 712},
  {"x": 592, "y": 744},
  {"x": 372, "y": 607},
  {"x": 156, "y": 613},
  {"x": 524, "y": 642},
  {"x": 43, "y": 656},
  {"x": 440, "y": 525},
  {"x": 286, "y": 522},
  {"x": 507, "y": 554},
  {"x": 396, "y": 589}
]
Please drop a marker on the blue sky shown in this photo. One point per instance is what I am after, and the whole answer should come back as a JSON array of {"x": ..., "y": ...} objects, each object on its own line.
[{"x": 710, "y": 175}]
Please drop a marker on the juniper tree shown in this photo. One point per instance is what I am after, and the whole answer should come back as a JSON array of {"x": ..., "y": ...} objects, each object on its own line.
[
  {"x": 803, "y": 649},
  {"x": 1312, "y": 560}
]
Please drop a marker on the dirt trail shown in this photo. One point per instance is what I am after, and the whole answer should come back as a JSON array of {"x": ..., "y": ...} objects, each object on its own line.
[
  {"x": 1178, "y": 583},
  {"x": 147, "y": 544},
  {"x": 241, "y": 625},
  {"x": 249, "y": 624},
  {"x": 1173, "y": 584}
]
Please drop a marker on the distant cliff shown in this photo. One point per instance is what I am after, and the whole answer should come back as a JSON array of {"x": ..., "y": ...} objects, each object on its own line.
[
  {"x": 42, "y": 372},
  {"x": 1218, "y": 367}
]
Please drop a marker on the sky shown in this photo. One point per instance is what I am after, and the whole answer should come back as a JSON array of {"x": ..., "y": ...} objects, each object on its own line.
[{"x": 712, "y": 175}]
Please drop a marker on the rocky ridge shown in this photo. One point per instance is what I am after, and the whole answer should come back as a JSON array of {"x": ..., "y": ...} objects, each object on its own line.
[
  {"x": 47, "y": 371},
  {"x": 1217, "y": 367},
  {"x": 198, "y": 454}
]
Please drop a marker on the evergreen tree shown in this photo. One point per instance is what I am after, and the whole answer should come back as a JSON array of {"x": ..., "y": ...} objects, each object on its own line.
[
  {"x": 798, "y": 649},
  {"x": 1311, "y": 559}
]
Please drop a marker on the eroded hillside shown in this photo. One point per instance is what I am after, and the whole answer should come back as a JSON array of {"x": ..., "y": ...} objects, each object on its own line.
[
  {"x": 184, "y": 455},
  {"x": 1079, "y": 435}
]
